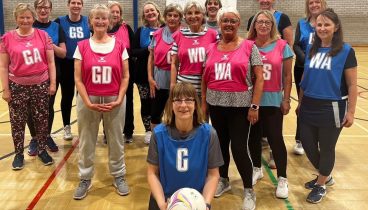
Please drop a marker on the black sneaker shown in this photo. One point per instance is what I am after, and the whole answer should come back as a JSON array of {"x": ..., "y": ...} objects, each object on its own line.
[
  {"x": 51, "y": 145},
  {"x": 45, "y": 158},
  {"x": 18, "y": 162},
  {"x": 317, "y": 193},
  {"x": 309, "y": 185},
  {"x": 33, "y": 147}
]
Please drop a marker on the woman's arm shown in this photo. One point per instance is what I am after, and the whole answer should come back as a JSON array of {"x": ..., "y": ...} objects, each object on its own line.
[
  {"x": 123, "y": 86},
  {"x": 257, "y": 93},
  {"x": 174, "y": 70},
  {"x": 150, "y": 68},
  {"x": 60, "y": 51},
  {"x": 203, "y": 95},
  {"x": 210, "y": 186},
  {"x": 155, "y": 186},
  {"x": 52, "y": 71},
  {"x": 4, "y": 75},
  {"x": 288, "y": 35},
  {"x": 287, "y": 81},
  {"x": 351, "y": 82}
]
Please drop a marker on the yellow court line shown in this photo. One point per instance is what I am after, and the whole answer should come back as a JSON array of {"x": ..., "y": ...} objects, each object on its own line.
[
  {"x": 361, "y": 109},
  {"x": 360, "y": 126},
  {"x": 5, "y": 113}
]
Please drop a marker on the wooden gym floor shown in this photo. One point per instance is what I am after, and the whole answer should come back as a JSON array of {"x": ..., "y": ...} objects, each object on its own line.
[{"x": 52, "y": 187}]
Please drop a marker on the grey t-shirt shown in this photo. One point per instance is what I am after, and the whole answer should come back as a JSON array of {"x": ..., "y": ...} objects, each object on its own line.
[{"x": 214, "y": 153}]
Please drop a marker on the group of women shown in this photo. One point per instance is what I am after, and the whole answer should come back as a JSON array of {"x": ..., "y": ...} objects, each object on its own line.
[{"x": 184, "y": 75}]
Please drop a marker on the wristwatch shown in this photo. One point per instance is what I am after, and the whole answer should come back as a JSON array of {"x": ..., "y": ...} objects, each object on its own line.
[{"x": 255, "y": 107}]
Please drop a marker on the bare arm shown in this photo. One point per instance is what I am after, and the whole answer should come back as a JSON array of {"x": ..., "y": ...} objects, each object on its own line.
[
  {"x": 288, "y": 35},
  {"x": 4, "y": 75},
  {"x": 155, "y": 186},
  {"x": 123, "y": 85},
  {"x": 210, "y": 186},
  {"x": 174, "y": 70},
  {"x": 203, "y": 95},
  {"x": 52, "y": 71},
  {"x": 150, "y": 68},
  {"x": 351, "y": 82},
  {"x": 257, "y": 93},
  {"x": 60, "y": 51},
  {"x": 287, "y": 81}
]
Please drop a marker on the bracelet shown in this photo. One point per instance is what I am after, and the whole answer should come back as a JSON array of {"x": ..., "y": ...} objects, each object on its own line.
[{"x": 287, "y": 100}]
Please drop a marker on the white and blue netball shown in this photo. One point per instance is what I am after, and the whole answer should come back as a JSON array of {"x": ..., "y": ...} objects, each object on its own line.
[{"x": 186, "y": 199}]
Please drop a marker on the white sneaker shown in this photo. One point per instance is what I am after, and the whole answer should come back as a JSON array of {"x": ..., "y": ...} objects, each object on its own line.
[
  {"x": 298, "y": 148},
  {"x": 264, "y": 142},
  {"x": 257, "y": 175},
  {"x": 282, "y": 190},
  {"x": 147, "y": 137},
  {"x": 271, "y": 162},
  {"x": 67, "y": 133},
  {"x": 249, "y": 202},
  {"x": 222, "y": 187}
]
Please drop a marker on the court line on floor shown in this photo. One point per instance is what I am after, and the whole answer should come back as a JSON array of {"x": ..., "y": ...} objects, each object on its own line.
[
  {"x": 273, "y": 179},
  {"x": 12, "y": 153},
  {"x": 52, "y": 176}
]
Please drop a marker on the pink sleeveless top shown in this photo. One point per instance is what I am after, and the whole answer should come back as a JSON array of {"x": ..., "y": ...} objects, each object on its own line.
[
  {"x": 101, "y": 73},
  {"x": 272, "y": 67},
  {"x": 162, "y": 53},
  {"x": 227, "y": 71},
  {"x": 27, "y": 56},
  {"x": 122, "y": 34},
  {"x": 192, "y": 51}
]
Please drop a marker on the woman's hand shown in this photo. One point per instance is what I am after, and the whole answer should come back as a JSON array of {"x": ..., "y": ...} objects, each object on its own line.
[
  {"x": 348, "y": 120},
  {"x": 153, "y": 86},
  {"x": 163, "y": 206},
  {"x": 297, "y": 109},
  {"x": 52, "y": 89},
  {"x": 285, "y": 107},
  {"x": 253, "y": 116},
  {"x": 7, "y": 95}
]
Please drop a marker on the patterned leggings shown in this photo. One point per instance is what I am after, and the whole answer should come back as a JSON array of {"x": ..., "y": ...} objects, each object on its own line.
[
  {"x": 144, "y": 94},
  {"x": 26, "y": 99}
]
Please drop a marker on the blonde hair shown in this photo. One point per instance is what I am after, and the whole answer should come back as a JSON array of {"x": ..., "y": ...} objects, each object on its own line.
[
  {"x": 98, "y": 9},
  {"x": 180, "y": 90},
  {"x": 110, "y": 4},
  {"x": 274, "y": 34},
  {"x": 307, "y": 12},
  {"x": 159, "y": 18},
  {"x": 196, "y": 5},
  {"x": 225, "y": 10},
  {"x": 23, "y": 7}
]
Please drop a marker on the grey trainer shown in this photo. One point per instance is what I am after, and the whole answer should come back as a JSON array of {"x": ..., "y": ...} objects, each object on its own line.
[
  {"x": 81, "y": 191},
  {"x": 121, "y": 185},
  {"x": 222, "y": 187}
]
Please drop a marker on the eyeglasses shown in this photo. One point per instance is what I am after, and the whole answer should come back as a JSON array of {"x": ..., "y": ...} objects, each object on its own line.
[
  {"x": 266, "y": 22},
  {"x": 230, "y": 21},
  {"x": 42, "y": 8},
  {"x": 187, "y": 101}
]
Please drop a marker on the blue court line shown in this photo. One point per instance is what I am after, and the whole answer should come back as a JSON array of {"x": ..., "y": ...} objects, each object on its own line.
[
  {"x": 57, "y": 131},
  {"x": 274, "y": 182}
]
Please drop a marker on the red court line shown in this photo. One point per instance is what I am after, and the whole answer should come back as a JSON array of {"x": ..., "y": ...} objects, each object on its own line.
[{"x": 52, "y": 177}]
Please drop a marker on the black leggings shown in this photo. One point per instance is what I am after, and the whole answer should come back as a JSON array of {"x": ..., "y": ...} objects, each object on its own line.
[
  {"x": 129, "y": 113},
  {"x": 319, "y": 144},
  {"x": 158, "y": 105},
  {"x": 231, "y": 124},
  {"x": 67, "y": 86},
  {"x": 271, "y": 120},
  {"x": 144, "y": 94},
  {"x": 298, "y": 73}
]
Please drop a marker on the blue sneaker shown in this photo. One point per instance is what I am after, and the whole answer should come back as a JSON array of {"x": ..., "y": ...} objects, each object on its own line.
[
  {"x": 33, "y": 147},
  {"x": 51, "y": 145},
  {"x": 18, "y": 162},
  {"x": 45, "y": 158},
  {"x": 317, "y": 193},
  {"x": 309, "y": 185}
]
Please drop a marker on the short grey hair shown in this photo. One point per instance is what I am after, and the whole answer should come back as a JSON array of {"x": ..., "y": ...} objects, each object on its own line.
[{"x": 225, "y": 10}]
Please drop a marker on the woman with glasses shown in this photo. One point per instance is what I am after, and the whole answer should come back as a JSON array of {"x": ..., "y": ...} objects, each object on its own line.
[
  {"x": 328, "y": 96},
  {"x": 277, "y": 59},
  {"x": 303, "y": 37},
  {"x": 101, "y": 78},
  {"x": 54, "y": 30},
  {"x": 181, "y": 148},
  {"x": 232, "y": 87},
  {"x": 28, "y": 78},
  {"x": 75, "y": 27},
  {"x": 189, "y": 48},
  {"x": 159, "y": 61},
  {"x": 152, "y": 21},
  {"x": 122, "y": 31}
]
